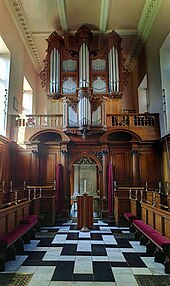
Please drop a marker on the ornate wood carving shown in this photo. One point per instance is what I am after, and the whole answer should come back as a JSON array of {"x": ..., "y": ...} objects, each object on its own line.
[{"x": 84, "y": 35}]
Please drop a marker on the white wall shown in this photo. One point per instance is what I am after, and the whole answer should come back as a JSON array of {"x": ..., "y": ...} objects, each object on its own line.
[
  {"x": 21, "y": 64},
  {"x": 165, "y": 77},
  {"x": 156, "y": 37}
]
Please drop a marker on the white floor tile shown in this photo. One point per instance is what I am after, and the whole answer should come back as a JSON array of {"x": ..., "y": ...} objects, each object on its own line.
[
  {"x": 109, "y": 239},
  {"x": 127, "y": 250},
  {"x": 52, "y": 254},
  {"x": 84, "y": 234},
  {"x": 12, "y": 266},
  {"x": 43, "y": 274},
  {"x": 59, "y": 238},
  {"x": 27, "y": 269},
  {"x": 120, "y": 270},
  {"x": 83, "y": 265},
  {"x": 124, "y": 278},
  {"x": 84, "y": 245},
  {"x": 61, "y": 283},
  {"x": 141, "y": 271}
]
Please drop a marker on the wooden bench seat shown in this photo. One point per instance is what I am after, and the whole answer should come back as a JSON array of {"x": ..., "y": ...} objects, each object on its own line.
[
  {"x": 155, "y": 242},
  {"x": 13, "y": 241}
]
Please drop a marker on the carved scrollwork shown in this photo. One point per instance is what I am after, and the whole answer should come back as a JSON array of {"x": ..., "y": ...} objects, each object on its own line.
[
  {"x": 102, "y": 75},
  {"x": 72, "y": 75},
  {"x": 85, "y": 160},
  {"x": 44, "y": 73},
  {"x": 73, "y": 106},
  {"x": 94, "y": 106}
]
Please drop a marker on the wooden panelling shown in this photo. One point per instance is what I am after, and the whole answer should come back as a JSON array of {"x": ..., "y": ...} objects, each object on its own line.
[
  {"x": 121, "y": 205},
  {"x": 151, "y": 221},
  {"x": 4, "y": 159},
  {"x": 22, "y": 167},
  {"x": 167, "y": 226},
  {"x": 149, "y": 166},
  {"x": 113, "y": 106},
  {"x": 120, "y": 175},
  {"x": 50, "y": 169},
  {"x": 157, "y": 218},
  {"x": 10, "y": 217},
  {"x": 35, "y": 206},
  {"x": 48, "y": 208},
  {"x": 2, "y": 223},
  {"x": 158, "y": 222}
]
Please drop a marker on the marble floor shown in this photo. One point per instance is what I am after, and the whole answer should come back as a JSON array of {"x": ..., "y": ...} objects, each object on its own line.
[{"x": 106, "y": 255}]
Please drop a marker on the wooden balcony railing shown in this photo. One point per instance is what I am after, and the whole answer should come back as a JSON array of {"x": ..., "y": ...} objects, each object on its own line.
[
  {"x": 133, "y": 120},
  {"x": 117, "y": 120},
  {"x": 41, "y": 121},
  {"x": 144, "y": 125}
]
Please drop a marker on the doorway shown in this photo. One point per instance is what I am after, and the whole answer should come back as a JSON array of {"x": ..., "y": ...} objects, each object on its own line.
[{"x": 84, "y": 178}]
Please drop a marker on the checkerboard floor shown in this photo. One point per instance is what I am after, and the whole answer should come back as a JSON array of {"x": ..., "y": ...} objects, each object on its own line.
[{"x": 106, "y": 255}]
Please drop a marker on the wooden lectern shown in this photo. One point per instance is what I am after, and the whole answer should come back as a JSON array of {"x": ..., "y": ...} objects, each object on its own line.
[{"x": 84, "y": 212}]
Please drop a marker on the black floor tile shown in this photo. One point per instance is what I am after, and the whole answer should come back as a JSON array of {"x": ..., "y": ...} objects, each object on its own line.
[
  {"x": 111, "y": 246},
  {"x": 102, "y": 271},
  {"x": 72, "y": 236},
  {"x": 34, "y": 258},
  {"x": 73, "y": 227},
  {"x": 84, "y": 238},
  {"x": 123, "y": 243},
  {"x": 83, "y": 277},
  {"x": 134, "y": 260},
  {"x": 45, "y": 242},
  {"x": 69, "y": 249},
  {"x": 118, "y": 264},
  {"x": 63, "y": 271},
  {"x": 96, "y": 236},
  {"x": 114, "y": 231},
  {"x": 98, "y": 250},
  {"x": 95, "y": 227},
  {"x": 83, "y": 253}
]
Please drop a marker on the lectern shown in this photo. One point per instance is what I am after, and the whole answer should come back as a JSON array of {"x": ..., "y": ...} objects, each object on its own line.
[{"x": 84, "y": 212}]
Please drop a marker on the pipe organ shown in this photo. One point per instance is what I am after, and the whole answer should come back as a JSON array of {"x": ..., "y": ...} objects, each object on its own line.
[{"x": 84, "y": 75}]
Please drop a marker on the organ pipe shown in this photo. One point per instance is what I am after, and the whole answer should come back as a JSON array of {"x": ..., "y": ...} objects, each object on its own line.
[
  {"x": 84, "y": 66},
  {"x": 55, "y": 71},
  {"x": 113, "y": 70}
]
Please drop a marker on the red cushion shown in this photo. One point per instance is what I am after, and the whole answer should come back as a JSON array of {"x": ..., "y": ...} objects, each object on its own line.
[
  {"x": 154, "y": 235},
  {"x": 159, "y": 239},
  {"x": 143, "y": 226},
  {"x": 29, "y": 219},
  {"x": 129, "y": 215},
  {"x": 14, "y": 234}
]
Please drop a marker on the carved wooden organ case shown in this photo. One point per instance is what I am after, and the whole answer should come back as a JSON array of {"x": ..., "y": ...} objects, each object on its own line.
[{"x": 84, "y": 72}]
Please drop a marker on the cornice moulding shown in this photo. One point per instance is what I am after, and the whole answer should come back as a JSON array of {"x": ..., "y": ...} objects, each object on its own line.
[
  {"x": 147, "y": 18},
  {"x": 16, "y": 11}
]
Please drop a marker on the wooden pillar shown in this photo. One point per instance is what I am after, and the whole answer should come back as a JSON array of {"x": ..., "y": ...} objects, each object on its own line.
[
  {"x": 66, "y": 178},
  {"x": 104, "y": 196},
  {"x": 135, "y": 167}
]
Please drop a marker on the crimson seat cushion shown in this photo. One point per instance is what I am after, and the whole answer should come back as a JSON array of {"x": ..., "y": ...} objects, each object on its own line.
[
  {"x": 29, "y": 219},
  {"x": 129, "y": 215},
  {"x": 154, "y": 235},
  {"x": 14, "y": 234}
]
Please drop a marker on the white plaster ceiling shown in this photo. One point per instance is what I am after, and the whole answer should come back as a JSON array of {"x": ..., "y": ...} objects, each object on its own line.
[{"x": 37, "y": 19}]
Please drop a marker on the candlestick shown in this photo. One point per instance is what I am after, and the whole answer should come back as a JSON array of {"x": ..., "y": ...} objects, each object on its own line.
[
  {"x": 84, "y": 186},
  {"x": 34, "y": 194},
  {"x": 3, "y": 187},
  {"x": 16, "y": 197},
  {"x": 40, "y": 192},
  {"x": 29, "y": 194}
]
